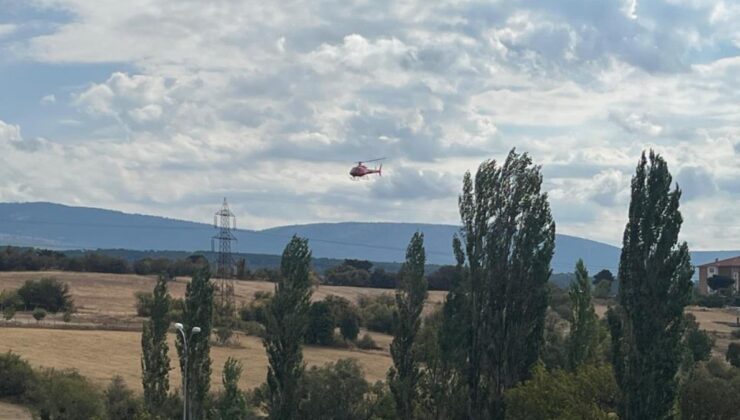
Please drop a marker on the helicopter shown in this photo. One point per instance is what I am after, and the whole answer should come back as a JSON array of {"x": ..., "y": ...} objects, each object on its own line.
[{"x": 361, "y": 170}]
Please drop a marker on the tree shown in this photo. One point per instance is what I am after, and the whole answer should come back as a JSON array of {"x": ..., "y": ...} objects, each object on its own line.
[
  {"x": 733, "y": 354},
  {"x": 349, "y": 326},
  {"x": 655, "y": 275},
  {"x": 16, "y": 375},
  {"x": 155, "y": 362},
  {"x": 120, "y": 401},
  {"x": 320, "y": 328},
  {"x": 509, "y": 239},
  {"x": 411, "y": 292},
  {"x": 584, "y": 335},
  {"x": 65, "y": 394},
  {"x": 287, "y": 319},
  {"x": 47, "y": 293},
  {"x": 337, "y": 391},
  {"x": 720, "y": 282},
  {"x": 233, "y": 403},
  {"x": 198, "y": 312},
  {"x": 604, "y": 275},
  {"x": 39, "y": 314}
]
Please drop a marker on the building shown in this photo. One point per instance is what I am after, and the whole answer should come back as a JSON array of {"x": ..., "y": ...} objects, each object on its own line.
[{"x": 729, "y": 268}]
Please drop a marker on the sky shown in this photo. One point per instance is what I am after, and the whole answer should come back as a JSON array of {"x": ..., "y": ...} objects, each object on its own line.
[{"x": 165, "y": 106}]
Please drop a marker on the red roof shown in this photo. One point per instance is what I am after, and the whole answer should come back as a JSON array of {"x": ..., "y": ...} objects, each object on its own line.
[{"x": 729, "y": 262}]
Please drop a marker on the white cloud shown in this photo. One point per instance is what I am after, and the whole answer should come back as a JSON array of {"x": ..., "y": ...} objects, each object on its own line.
[{"x": 269, "y": 103}]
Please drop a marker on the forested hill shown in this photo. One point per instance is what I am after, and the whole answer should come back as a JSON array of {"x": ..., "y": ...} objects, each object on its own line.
[{"x": 63, "y": 227}]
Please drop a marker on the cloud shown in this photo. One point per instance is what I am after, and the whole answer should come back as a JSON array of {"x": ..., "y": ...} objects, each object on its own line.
[{"x": 271, "y": 104}]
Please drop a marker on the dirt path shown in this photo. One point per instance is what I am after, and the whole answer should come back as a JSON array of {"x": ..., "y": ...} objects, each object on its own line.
[{"x": 13, "y": 412}]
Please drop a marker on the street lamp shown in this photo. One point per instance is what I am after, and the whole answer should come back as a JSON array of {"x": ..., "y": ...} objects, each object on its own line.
[{"x": 185, "y": 339}]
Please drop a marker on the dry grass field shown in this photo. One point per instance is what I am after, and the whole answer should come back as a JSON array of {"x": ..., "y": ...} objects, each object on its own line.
[
  {"x": 13, "y": 412},
  {"x": 101, "y": 296},
  {"x": 100, "y": 355}
]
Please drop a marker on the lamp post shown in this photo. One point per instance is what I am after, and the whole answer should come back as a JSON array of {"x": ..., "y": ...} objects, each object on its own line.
[{"x": 185, "y": 339}]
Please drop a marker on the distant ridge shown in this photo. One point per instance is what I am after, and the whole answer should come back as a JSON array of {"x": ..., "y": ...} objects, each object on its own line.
[{"x": 59, "y": 226}]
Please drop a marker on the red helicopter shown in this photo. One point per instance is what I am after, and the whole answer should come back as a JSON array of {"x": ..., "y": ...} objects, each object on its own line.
[{"x": 361, "y": 170}]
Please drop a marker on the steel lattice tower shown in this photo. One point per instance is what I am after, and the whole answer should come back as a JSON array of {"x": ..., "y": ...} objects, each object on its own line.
[{"x": 225, "y": 221}]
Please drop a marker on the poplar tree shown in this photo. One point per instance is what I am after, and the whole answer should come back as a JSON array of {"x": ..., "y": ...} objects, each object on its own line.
[
  {"x": 197, "y": 312},
  {"x": 584, "y": 335},
  {"x": 411, "y": 291},
  {"x": 233, "y": 403},
  {"x": 655, "y": 285},
  {"x": 287, "y": 319},
  {"x": 509, "y": 239},
  {"x": 155, "y": 362}
]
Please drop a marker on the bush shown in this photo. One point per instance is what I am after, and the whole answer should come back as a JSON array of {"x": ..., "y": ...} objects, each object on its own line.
[
  {"x": 67, "y": 317},
  {"x": 120, "y": 401},
  {"x": 320, "y": 325},
  {"x": 367, "y": 343},
  {"x": 255, "y": 310},
  {"x": 589, "y": 393},
  {"x": 46, "y": 293},
  {"x": 144, "y": 302},
  {"x": 223, "y": 335},
  {"x": 39, "y": 314},
  {"x": 603, "y": 289},
  {"x": 698, "y": 341},
  {"x": 9, "y": 313},
  {"x": 10, "y": 299},
  {"x": 65, "y": 394},
  {"x": 736, "y": 333},
  {"x": 377, "y": 312},
  {"x": 336, "y": 391},
  {"x": 711, "y": 301},
  {"x": 733, "y": 354},
  {"x": 711, "y": 392},
  {"x": 16, "y": 375},
  {"x": 253, "y": 328}
]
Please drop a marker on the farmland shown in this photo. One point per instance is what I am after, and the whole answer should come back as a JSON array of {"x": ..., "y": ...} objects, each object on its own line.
[{"x": 102, "y": 340}]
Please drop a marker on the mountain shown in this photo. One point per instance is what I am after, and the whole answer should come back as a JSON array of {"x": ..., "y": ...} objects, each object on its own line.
[{"x": 64, "y": 227}]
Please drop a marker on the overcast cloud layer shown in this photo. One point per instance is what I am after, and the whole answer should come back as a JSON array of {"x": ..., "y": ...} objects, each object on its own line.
[{"x": 164, "y": 106}]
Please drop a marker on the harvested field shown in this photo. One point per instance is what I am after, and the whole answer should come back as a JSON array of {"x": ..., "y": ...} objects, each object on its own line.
[
  {"x": 13, "y": 412},
  {"x": 100, "y": 355},
  {"x": 104, "y": 297}
]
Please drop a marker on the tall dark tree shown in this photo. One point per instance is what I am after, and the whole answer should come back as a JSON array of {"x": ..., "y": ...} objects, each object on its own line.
[
  {"x": 155, "y": 362},
  {"x": 411, "y": 292},
  {"x": 287, "y": 319},
  {"x": 655, "y": 275},
  {"x": 197, "y": 312},
  {"x": 584, "y": 334},
  {"x": 509, "y": 239}
]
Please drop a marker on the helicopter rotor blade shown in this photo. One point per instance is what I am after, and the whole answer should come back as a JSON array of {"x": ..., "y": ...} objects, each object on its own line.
[{"x": 373, "y": 160}]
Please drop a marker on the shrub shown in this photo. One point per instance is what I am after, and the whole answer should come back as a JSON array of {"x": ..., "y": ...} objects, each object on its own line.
[
  {"x": 320, "y": 325},
  {"x": 144, "y": 302},
  {"x": 698, "y": 341},
  {"x": 9, "y": 313},
  {"x": 47, "y": 293},
  {"x": 711, "y": 392},
  {"x": 255, "y": 310},
  {"x": 253, "y": 328},
  {"x": 39, "y": 314},
  {"x": 589, "y": 393},
  {"x": 10, "y": 299},
  {"x": 120, "y": 401},
  {"x": 223, "y": 335},
  {"x": 16, "y": 375},
  {"x": 603, "y": 289},
  {"x": 176, "y": 309},
  {"x": 711, "y": 301},
  {"x": 736, "y": 333},
  {"x": 67, "y": 317},
  {"x": 367, "y": 343},
  {"x": 733, "y": 354},
  {"x": 65, "y": 394},
  {"x": 336, "y": 391},
  {"x": 377, "y": 312}
]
